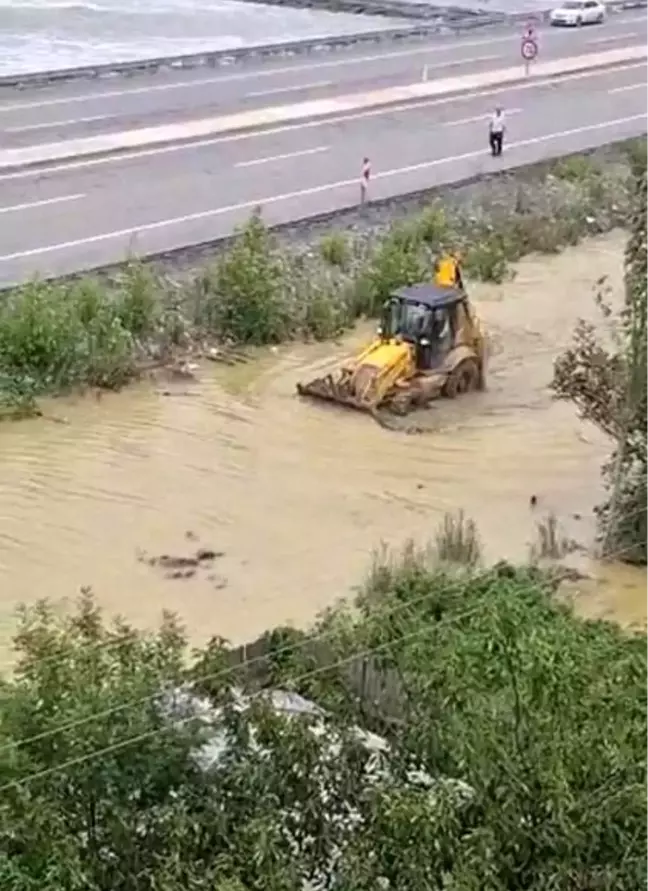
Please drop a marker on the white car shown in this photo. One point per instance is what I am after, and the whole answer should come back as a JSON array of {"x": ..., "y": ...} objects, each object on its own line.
[{"x": 573, "y": 13}]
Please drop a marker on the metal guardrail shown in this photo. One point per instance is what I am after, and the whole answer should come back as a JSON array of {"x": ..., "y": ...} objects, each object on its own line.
[
  {"x": 448, "y": 21},
  {"x": 216, "y": 58}
]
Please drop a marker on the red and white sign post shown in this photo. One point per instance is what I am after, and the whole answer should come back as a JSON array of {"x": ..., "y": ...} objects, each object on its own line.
[{"x": 528, "y": 48}]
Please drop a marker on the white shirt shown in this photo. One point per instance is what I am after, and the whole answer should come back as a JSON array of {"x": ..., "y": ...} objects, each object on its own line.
[{"x": 497, "y": 123}]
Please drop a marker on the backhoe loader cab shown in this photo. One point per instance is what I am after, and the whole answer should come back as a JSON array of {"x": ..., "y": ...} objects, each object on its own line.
[
  {"x": 429, "y": 344},
  {"x": 426, "y": 316}
]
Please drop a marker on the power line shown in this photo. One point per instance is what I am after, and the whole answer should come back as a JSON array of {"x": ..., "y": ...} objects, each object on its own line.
[
  {"x": 287, "y": 650},
  {"x": 224, "y": 672},
  {"x": 73, "y": 762},
  {"x": 116, "y": 642}
]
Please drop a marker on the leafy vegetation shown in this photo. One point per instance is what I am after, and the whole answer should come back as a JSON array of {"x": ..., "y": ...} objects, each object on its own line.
[
  {"x": 99, "y": 333},
  {"x": 515, "y": 753},
  {"x": 608, "y": 385}
]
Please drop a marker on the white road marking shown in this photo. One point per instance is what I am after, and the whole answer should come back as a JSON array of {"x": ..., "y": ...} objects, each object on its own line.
[
  {"x": 33, "y": 204},
  {"x": 316, "y": 86},
  {"x": 274, "y": 72},
  {"x": 47, "y": 124},
  {"x": 479, "y": 117},
  {"x": 246, "y": 75},
  {"x": 268, "y": 160},
  {"x": 301, "y": 193},
  {"x": 641, "y": 86},
  {"x": 329, "y": 83},
  {"x": 65, "y": 166},
  {"x": 611, "y": 38}
]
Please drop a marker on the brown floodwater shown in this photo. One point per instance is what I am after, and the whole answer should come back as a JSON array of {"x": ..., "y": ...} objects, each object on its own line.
[{"x": 296, "y": 495}]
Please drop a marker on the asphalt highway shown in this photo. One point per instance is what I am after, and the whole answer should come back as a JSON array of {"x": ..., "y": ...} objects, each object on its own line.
[
  {"x": 83, "y": 108},
  {"x": 93, "y": 211}
]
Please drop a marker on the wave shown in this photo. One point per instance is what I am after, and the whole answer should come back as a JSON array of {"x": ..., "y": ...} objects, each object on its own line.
[
  {"x": 38, "y": 35},
  {"x": 50, "y": 5}
]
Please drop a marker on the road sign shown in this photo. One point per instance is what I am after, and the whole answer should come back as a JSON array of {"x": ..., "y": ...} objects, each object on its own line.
[{"x": 529, "y": 49}]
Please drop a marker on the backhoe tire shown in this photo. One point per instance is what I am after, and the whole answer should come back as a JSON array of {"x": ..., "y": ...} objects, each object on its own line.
[
  {"x": 401, "y": 404},
  {"x": 462, "y": 379}
]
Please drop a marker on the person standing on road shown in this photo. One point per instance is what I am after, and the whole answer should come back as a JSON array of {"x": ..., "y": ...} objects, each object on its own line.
[
  {"x": 364, "y": 179},
  {"x": 529, "y": 32},
  {"x": 496, "y": 131}
]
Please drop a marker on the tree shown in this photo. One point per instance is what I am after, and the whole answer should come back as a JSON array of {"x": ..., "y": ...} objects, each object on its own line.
[
  {"x": 96, "y": 812},
  {"x": 609, "y": 389}
]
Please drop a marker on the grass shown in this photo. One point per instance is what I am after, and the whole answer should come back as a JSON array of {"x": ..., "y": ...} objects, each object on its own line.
[
  {"x": 551, "y": 544},
  {"x": 457, "y": 541}
]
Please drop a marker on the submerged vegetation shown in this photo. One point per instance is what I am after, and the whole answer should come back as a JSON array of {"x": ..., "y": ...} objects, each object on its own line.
[
  {"x": 100, "y": 332},
  {"x": 514, "y": 752}
]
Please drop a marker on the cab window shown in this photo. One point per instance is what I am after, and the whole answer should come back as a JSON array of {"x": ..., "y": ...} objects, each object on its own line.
[{"x": 441, "y": 327}]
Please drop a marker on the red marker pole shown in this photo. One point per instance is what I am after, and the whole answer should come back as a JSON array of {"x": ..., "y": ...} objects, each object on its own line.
[{"x": 364, "y": 180}]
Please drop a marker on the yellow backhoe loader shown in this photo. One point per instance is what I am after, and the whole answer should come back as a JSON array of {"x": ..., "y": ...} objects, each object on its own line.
[{"x": 429, "y": 344}]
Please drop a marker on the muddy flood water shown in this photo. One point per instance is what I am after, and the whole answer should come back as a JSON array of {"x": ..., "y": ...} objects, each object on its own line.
[{"x": 296, "y": 495}]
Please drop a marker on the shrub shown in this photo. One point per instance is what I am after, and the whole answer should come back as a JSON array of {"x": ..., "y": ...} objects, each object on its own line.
[
  {"x": 335, "y": 250},
  {"x": 61, "y": 336},
  {"x": 398, "y": 260},
  {"x": 433, "y": 226},
  {"x": 576, "y": 169},
  {"x": 244, "y": 290},
  {"x": 457, "y": 541},
  {"x": 137, "y": 300},
  {"x": 486, "y": 260},
  {"x": 551, "y": 543}
]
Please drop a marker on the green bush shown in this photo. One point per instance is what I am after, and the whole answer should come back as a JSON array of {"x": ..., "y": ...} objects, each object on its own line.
[
  {"x": 577, "y": 168},
  {"x": 433, "y": 226},
  {"x": 398, "y": 260},
  {"x": 457, "y": 541},
  {"x": 244, "y": 290},
  {"x": 486, "y": 259},
  {"x": 137, "y": 300},
  {"x": 61, "y": 336},
  {"x": 334, "y": 248}
]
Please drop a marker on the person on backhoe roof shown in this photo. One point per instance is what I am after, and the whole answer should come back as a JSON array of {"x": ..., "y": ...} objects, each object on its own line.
[{"x": 447, "y": 272}]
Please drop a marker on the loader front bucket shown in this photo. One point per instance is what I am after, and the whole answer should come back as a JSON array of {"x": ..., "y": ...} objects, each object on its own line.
[
  {"x": 340, "y": 391},
  {"x": 366, "y": 383}
]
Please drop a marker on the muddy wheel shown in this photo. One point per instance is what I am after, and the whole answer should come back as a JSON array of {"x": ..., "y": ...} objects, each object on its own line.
[
  {"x": 401, "y": 404},
  {"x": 463, "y": 379}
]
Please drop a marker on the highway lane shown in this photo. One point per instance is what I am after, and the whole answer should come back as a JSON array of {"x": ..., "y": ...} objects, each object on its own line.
[
  {"x": 86, "y": 108},
  {"x": 95, "y": 213}
]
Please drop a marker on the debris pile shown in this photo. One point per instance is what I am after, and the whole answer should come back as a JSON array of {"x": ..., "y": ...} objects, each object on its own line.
[{"x": 186, "y": 566}]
